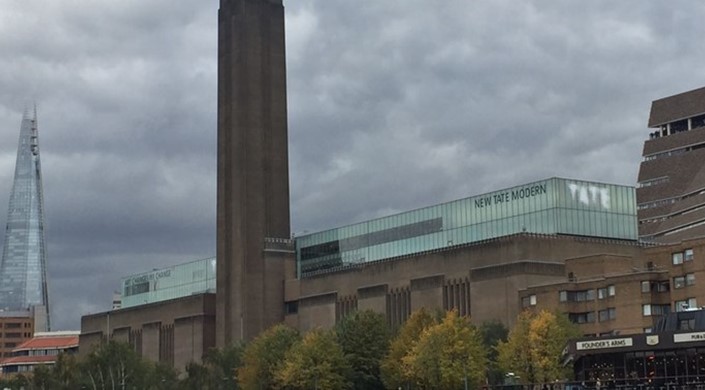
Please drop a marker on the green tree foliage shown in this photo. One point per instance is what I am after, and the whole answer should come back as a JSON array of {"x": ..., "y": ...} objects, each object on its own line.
[
  {"x": 197, "y": 377},
  {"x": 448, "y": 354},
  {"x": 222, "y": 365},
  {"x": 263, "y": 357},
  {"x": 364, "y": 337},
  {"x": 161, "y": 376},
  {"x": 395, "y": 373},
  {"x": 534, "y": 348},
  {"x": 492, "y": 333},
  {"x": 114, "y": 365},
  {"x": 315, "y": 362}
]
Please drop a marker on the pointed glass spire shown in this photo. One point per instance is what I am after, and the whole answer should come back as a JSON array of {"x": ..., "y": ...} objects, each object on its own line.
[{"x": 23, "y": 283}]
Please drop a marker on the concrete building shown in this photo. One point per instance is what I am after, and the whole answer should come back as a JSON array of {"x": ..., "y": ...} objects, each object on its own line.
[
  {"x": 253, "y": 172},
  {"x": 671, "y": 191}
]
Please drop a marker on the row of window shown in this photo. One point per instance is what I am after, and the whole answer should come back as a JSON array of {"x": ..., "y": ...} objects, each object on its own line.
[
  {"x": 685, "y": 280},
  {"x": 664, "y": 286},
  {"x": 589, "y": 317},
  {"x": 662, "y": 309},
  {"x": 586, "y": 295},
  {"x": 653, "y": 182},
  {"x": 680, "y": 257},
  {"x": 655, "y": 286},
  {"x": 13, "y": 335},
  {"x": 16, "y": 325}
]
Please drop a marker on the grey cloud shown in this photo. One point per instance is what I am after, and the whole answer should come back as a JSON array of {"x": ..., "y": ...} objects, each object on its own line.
[{"x": 392, "y": 106}]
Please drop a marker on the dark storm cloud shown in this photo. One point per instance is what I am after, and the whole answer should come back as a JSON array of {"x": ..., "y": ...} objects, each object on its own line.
[{"x": 392, "y": 105}]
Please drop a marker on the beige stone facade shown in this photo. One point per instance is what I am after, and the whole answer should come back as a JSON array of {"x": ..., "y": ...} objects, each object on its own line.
[{"x": 625, "y": 294}]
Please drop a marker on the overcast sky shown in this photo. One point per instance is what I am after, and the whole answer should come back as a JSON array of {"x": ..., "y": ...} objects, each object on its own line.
[{"x": 393, "y": 105}]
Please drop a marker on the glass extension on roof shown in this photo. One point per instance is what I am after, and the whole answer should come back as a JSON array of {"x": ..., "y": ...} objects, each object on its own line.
[
  {"x": 178, "y": 281},
  {"x": 552, "y": 206}
]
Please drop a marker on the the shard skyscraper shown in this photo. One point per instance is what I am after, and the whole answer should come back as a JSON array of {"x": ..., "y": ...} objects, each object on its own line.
[{"x": 23, "y": 281}]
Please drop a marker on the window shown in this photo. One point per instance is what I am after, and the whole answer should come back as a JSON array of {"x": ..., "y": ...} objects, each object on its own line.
[
  {"x": 655, "y": 310},
  {"x": 686, "y": 304},
  {"x": 657, "y": 286},
  {"x": 688, "y": 255},
  {"x": 528, "y": 301},
  {"x": 582, "y": 318},
  {"x": 291, "y": 307},
  {"x": 689, "y": 279},
  {"x": 680, "y": 257},
  {"x": 648, "y": 330},
  {"x": 605, "y": 292},
  {"x": 645, "y": 286},
  {"x": 607, "y": 314},
  {"x": 10, "y": 345},
  {"x": 682, "y": 281},
  {"x": 577, "y": 296},
  {"x": 13, "y": 335},
  {"x": 679, "y": 282},
  {"x": 12, "y": 325}
]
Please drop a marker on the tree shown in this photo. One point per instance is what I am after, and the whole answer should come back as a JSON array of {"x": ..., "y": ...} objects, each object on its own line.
[
  {"x": 197, "y": 377},
  {"x": 315, "y": 362},
  {"x": 395, "y": 373},
  {"x": 548, "y": 334},
  {"x": 222, "y": 365},
  {"x": 514, "y": 355},
  {"x": 492, "y": 333},
  {"x": 448, "y": 354},
  {"x": 162, "y": 376},
  {"x": 114, "y": 365},
  {"x": 263, "y": 356},
  {"x": 364, "y": 337},
  {"x": 534, "y": 348}
]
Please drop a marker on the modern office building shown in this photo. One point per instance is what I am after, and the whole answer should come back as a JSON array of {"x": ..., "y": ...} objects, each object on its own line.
[
  {"x": 671, "y": 191},
  {"x": 23, "y": 281},
  {"x": 253, "y": 172}
]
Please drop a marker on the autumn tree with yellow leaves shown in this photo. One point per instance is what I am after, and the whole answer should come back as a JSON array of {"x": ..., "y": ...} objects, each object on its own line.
[{"x": 533, "y": 351}]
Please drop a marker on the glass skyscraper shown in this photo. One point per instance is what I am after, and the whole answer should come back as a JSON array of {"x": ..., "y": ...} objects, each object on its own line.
[{"x": 23, "y": 282}]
